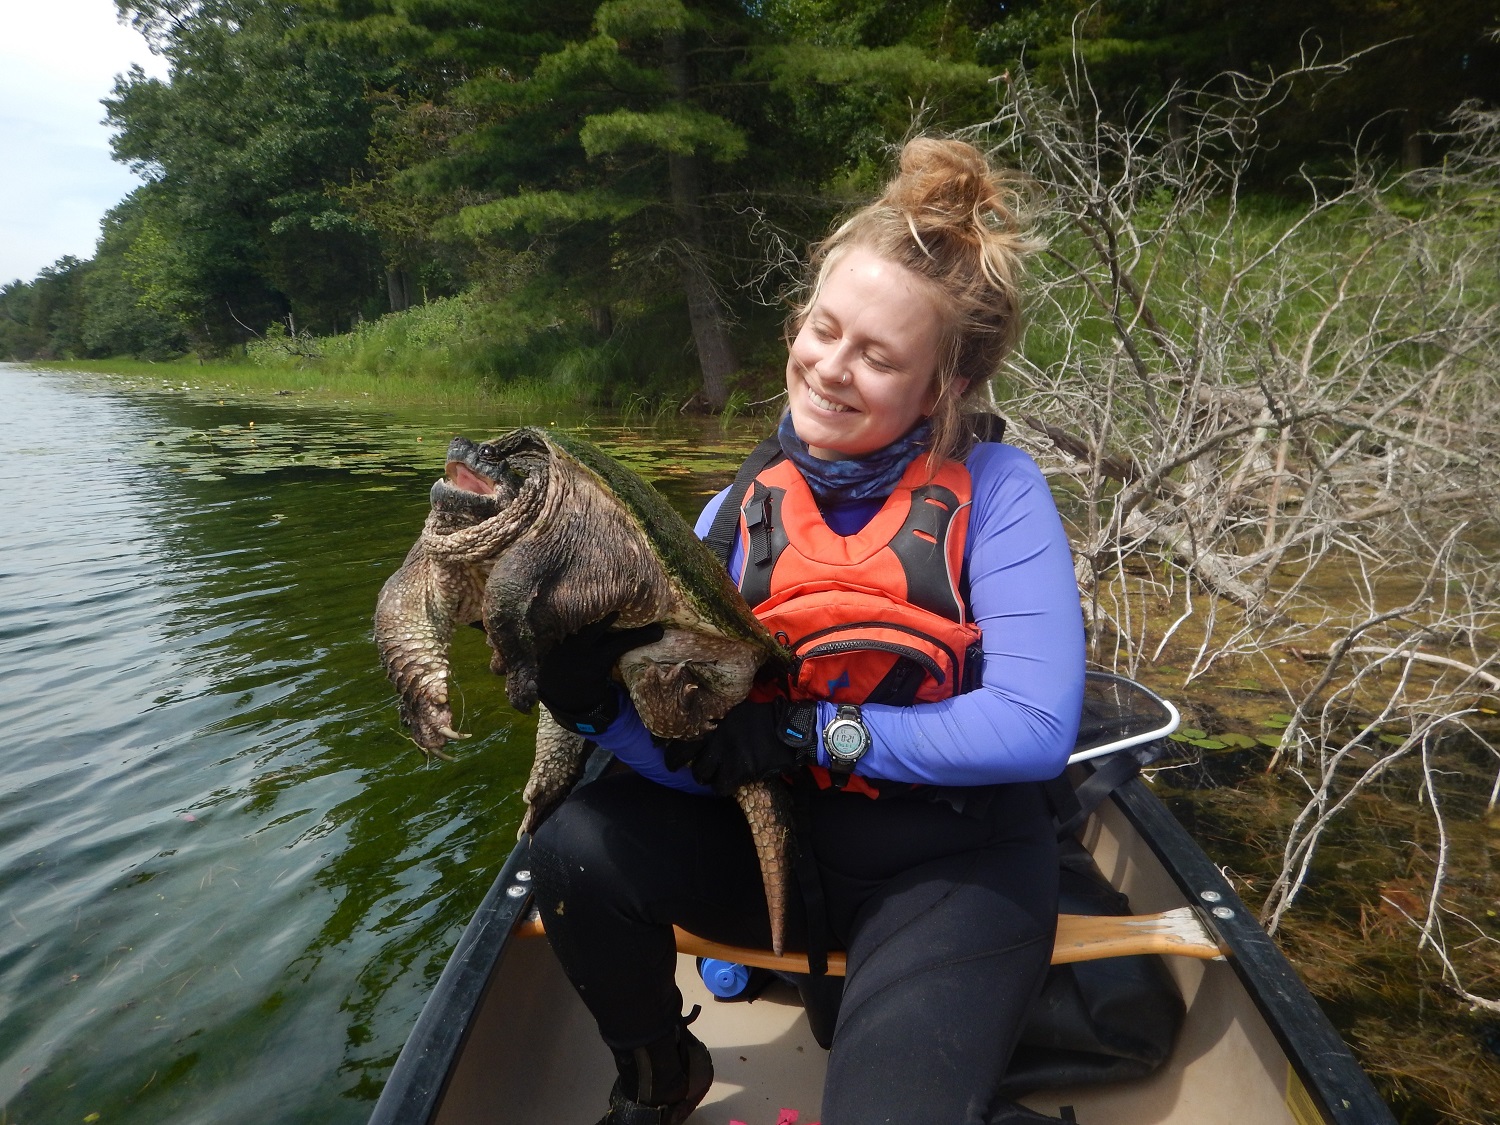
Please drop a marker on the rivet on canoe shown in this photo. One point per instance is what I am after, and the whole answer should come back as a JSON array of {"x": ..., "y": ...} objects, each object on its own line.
[
  {"x": 1210, "y": 896},
  {"x": 1223, "y": 912},
  {"x": 515, "y": 890},
  {"x": 523, "y": 875}
]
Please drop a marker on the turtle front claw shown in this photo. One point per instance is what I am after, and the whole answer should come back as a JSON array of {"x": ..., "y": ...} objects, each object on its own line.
[{"x": 431, "y": 726}]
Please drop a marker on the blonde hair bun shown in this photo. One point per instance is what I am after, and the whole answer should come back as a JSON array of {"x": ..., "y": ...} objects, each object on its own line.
[{"x": 948, "y": 186}]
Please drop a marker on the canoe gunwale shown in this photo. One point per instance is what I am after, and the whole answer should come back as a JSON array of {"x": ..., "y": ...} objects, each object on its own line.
[
  {"x": 1316, "y": 1051},
  {"x": 415, "y": 1088}
]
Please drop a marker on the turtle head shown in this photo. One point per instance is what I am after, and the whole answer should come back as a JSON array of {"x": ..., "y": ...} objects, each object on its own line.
[{"x": 481, "y": 479}]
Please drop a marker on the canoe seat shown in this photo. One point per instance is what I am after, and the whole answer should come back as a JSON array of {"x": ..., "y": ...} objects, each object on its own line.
[{"x": 1080, "y": 937}]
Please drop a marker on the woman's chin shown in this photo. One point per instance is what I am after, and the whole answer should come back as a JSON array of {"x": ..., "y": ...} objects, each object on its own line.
[{"x": 825, "y": 442}]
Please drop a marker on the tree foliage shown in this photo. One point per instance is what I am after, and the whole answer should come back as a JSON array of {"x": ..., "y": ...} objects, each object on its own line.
[
  {"x": 237, "y": 147},
  {"x": 614, "y": 172}
]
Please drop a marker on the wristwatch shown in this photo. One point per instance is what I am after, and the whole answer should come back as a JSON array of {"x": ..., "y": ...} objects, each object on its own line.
[{"x": 846, "y": 738}]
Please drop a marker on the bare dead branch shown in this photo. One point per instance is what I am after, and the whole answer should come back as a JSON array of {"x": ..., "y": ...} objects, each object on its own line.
[{"x": 1279, "y": 432}]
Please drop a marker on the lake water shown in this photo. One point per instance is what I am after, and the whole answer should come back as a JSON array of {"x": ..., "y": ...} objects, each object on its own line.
[{"x": 228, "y": 878}]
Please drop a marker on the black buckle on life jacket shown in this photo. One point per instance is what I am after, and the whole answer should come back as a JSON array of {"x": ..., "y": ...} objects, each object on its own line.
[
  {"x": 759, "y": 524},
  {"x": 725, "y": 528}
]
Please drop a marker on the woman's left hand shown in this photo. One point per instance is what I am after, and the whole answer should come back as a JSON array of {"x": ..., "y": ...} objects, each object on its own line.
[{"x": 752, "y": 742}]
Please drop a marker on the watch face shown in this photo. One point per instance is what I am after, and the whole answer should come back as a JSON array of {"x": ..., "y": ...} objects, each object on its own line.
[{"x": 846, "y": 738}]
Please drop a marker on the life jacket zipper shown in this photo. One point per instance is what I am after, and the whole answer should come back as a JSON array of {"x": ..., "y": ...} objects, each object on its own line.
[
  {"x": 907, "y": 629},
  {"x": 833, "y": 648}
]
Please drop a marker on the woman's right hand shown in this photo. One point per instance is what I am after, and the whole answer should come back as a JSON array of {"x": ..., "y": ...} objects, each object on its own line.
[{"x": 573, "y": 681}]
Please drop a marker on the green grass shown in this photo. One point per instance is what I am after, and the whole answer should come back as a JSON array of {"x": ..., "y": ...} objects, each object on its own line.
[
  {"x": 523, "y": 353},
  {"x": 455, "y": 353},
  {"x": 456, "y": 390},
  {"x": 1340, "y": 276}
]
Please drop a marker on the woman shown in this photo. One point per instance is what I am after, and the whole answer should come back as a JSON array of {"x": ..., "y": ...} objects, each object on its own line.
[{"x": 889, "y": 527}]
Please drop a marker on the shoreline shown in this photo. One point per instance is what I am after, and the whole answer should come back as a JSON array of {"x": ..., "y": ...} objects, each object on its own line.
[{"x": 310, "y": 384}]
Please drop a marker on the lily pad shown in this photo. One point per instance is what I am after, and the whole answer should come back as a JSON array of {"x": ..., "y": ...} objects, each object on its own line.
[{"x": 1237, "y": 740}]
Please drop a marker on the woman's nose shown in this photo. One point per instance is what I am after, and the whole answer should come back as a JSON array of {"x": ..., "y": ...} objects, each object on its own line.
[{"x": 833, "y": 366}]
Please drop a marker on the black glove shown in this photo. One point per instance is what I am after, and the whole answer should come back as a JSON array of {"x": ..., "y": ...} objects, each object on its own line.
[
  {"x": 752, "y": 742},
  {"x": 573, "y": 679}
]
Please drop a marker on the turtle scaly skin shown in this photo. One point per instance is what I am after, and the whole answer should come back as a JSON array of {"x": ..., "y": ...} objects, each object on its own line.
[{"x": 536, "y": 535}]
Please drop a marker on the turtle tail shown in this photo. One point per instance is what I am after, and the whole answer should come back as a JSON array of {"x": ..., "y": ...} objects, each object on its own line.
[{"x": 767, "y": 805}]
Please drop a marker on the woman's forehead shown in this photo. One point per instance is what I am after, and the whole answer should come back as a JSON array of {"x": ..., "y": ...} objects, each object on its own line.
[
  {"x": 865, "y": 282},
  {"x": 859, "y": 257}
]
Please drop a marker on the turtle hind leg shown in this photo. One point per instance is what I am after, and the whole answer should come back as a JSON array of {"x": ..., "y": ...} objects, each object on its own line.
[
  {"x": 767, "y": 806},
  {"x": 554, "y": 771}
]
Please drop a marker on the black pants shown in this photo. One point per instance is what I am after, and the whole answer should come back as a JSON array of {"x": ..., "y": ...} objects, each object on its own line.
[{"x": 948, "y": 920}]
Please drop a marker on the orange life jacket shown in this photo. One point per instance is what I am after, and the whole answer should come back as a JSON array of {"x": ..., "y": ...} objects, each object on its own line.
[{"x": 874, "y": 617}]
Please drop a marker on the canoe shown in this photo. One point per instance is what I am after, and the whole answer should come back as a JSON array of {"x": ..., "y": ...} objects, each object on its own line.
[{"x": 503, "y": 1038}]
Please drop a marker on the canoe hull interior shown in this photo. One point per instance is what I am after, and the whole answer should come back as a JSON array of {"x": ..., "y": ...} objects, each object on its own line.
[
  {"x": 547, "y": 1059},
  {"x": 532, "y": 1054}
]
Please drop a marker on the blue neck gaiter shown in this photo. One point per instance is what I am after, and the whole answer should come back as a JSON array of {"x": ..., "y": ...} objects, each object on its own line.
[{"x": 858, "y": 478}]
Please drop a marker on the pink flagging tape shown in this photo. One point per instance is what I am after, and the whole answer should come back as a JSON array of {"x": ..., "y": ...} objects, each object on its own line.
[{"x": 787, "y": 1117}]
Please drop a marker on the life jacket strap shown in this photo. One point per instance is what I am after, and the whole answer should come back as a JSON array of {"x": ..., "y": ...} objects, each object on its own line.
[
  {"x": 809, "y": 878},
  {"x": 1071, "y": 807},
  {"x": 760, "y": 521},
  {"x": 725, "y": 528}
]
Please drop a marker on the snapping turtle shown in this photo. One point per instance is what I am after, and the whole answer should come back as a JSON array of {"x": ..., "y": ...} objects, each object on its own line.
[{"x": 537, "y": 535}]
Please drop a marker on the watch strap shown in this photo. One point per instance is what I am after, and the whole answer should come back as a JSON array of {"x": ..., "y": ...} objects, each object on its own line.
[{"x": 841, "y": 769}]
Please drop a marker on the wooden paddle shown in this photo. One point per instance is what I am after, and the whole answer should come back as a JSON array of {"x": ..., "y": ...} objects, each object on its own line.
[{"x": 1080, "y": 937}]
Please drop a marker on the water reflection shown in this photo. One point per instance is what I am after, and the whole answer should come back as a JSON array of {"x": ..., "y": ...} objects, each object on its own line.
[{"x": 228, "y": 877}]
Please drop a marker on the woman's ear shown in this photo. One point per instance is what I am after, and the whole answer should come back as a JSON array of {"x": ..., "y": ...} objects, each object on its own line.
[{"x": 956, "y": 391}]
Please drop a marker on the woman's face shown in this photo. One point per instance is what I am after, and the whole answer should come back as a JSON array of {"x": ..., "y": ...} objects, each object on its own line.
[{"x": 863, "y": 369}]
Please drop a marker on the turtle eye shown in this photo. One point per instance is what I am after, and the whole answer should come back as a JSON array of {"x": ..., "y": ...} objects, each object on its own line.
[{"x": 487, "y": 451}]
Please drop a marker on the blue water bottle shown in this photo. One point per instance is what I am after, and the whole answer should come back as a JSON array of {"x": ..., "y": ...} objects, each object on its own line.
[{"x": 724, "y": 979}]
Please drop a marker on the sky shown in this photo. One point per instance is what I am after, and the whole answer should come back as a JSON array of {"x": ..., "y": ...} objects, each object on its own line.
[{"x": 58, "y": 58}]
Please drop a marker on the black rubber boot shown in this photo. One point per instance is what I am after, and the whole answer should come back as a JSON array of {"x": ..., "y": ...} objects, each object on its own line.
[{"x": 660, "y": 1083}]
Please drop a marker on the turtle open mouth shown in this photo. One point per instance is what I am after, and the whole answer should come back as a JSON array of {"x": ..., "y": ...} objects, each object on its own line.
[{"x": 462, "y": 477}]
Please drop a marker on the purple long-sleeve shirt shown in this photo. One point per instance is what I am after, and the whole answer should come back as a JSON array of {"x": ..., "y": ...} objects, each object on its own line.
[{"x": 1021, "y": 723}]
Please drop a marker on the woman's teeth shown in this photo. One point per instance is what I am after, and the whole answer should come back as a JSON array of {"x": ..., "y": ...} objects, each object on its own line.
[{"x": 819, "y": 401}]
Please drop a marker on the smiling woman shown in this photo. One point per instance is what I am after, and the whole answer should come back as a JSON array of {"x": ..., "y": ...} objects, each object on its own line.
[
  {"x": 921, "y": 292},
  {"x": 849, "y": 534}
]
